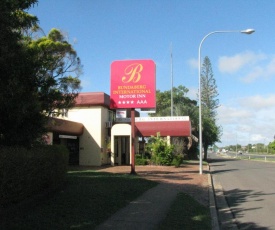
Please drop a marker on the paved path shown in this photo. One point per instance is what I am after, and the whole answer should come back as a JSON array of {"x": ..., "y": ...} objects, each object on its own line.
[{"x": 144, "y": 213}]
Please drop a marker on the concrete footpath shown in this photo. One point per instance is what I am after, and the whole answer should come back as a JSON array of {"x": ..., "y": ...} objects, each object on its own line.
[
  {"x": 144, "y": 213},
  {"x": 149, "y": 210}
]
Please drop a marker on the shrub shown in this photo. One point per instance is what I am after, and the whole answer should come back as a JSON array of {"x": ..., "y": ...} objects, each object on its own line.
[
  {"x": 162, "y": 153},
  {"x": 178, "y": 160},
  {"x": 26, "y": 172},
  {"x": 140, "y": 160}
]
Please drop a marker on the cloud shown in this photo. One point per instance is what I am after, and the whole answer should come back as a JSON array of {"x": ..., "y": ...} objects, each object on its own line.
[
  {"x": 85, "y": 84},
  {"x": 252, "y": 76},
  {"x": 193, "y": 93},
  {"x": 270, "y": 69},
  {"x": 251, "y": 64},
  {"x": 260, "y": 72},
  {"x": 259, "y": 102},
  {"x": 235, "y": 63},
  {"x": 227, "y": 115},
  {"x": 193, "y": 63},
  {"x": 248, "y": 120}
]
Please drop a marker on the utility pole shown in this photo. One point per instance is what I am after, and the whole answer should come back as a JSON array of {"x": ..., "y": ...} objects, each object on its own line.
[{"x": 172, "y": 103}]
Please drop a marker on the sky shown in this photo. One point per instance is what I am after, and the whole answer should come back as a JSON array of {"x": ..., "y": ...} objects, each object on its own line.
[{"x": 103, "y": 31}]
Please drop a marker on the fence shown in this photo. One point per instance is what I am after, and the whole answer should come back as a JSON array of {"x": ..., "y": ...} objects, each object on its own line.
[{"x": 254, "y": 156}]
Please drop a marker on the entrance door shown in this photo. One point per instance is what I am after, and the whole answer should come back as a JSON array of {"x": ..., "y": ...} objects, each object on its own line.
[
  {"x": 122, "y": 150},
  {"x": 72, "y": 143},
  {"x": 73, "y": 146}
]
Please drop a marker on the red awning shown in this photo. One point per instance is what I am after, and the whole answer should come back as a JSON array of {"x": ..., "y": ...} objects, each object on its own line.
[{"x": 165, "y": 128}]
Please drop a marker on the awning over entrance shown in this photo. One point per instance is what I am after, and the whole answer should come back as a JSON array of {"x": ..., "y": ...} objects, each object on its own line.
[
  {"x": 165, "y": 128},
  {"x": 64, "y": 126}
]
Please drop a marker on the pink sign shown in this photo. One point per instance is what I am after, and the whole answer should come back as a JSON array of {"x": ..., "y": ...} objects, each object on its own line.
[{"x": 133, "y": 84}]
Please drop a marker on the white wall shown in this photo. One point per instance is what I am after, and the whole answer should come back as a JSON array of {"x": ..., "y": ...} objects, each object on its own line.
[{"x": 92, "y": 143}]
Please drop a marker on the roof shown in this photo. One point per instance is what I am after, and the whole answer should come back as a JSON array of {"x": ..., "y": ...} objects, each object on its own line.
[
  {"x": 93, "y": 99},
  {"x": 64, "y": 126},
  {"x": 165, "y": 128}
]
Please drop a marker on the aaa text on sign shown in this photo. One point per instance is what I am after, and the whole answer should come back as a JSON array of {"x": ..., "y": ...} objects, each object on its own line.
[{"x": 133, "y": 84}]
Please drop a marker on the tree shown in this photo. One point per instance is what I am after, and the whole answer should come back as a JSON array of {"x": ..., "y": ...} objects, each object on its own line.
[
  {"x": 20, "y": 120},
  {"x": 271, "y": 147},
  {"x": 182, "y": 106},
  {"x": 56, "y": 60},
  {"x": 33, "y": 75},
  {"x": 209, "y": 102}
]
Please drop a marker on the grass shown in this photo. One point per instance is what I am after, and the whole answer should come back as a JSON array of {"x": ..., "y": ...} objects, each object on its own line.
[
  {"x": 87, "y": 200},
  {"x": 91, "y": 197},
  {"x": 187, "y": 213}
]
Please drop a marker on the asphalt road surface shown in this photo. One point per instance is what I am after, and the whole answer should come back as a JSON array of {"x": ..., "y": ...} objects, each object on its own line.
[{"x": 249, "y": 188}]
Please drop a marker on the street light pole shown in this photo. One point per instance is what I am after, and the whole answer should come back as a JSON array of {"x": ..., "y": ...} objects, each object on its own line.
[{"x": 247, "y": 31}]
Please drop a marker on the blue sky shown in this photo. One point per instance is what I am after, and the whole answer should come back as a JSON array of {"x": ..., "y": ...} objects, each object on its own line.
[{"x": 243, "y": 65}]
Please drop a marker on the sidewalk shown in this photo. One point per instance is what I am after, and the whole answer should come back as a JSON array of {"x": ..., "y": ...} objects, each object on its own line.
[{"x": 147, "y": 211}]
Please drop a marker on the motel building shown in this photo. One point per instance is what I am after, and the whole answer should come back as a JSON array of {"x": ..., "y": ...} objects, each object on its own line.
[{"x": 97, "y": 135}]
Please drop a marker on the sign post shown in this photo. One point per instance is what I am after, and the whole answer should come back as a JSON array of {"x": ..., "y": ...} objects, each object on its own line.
[
  {"x": 133, "y": 85},
  {"x": 133, "y": 131}
]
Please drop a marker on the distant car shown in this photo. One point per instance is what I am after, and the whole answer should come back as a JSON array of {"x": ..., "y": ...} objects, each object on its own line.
[{"x": 240, "y": 152}]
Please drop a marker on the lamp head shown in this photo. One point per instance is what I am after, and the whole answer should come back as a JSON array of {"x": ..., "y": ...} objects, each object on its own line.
[{"x": 248, "y": 31}]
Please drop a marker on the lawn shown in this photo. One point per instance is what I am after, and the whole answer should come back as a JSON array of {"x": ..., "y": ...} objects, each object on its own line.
[
  {"x": 187, "y": 213},
  {"x": 88, "y": 198}
]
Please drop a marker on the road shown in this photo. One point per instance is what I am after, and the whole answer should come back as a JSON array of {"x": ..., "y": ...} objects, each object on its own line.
[{"x": 249, "y": 188}]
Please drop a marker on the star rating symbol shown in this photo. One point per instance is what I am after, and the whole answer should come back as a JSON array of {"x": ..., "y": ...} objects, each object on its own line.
[{"x": 126, "y": 102}]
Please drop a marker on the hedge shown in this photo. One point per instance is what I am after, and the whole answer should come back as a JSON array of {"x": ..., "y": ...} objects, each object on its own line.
[{"x": 27, "y": 172}]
